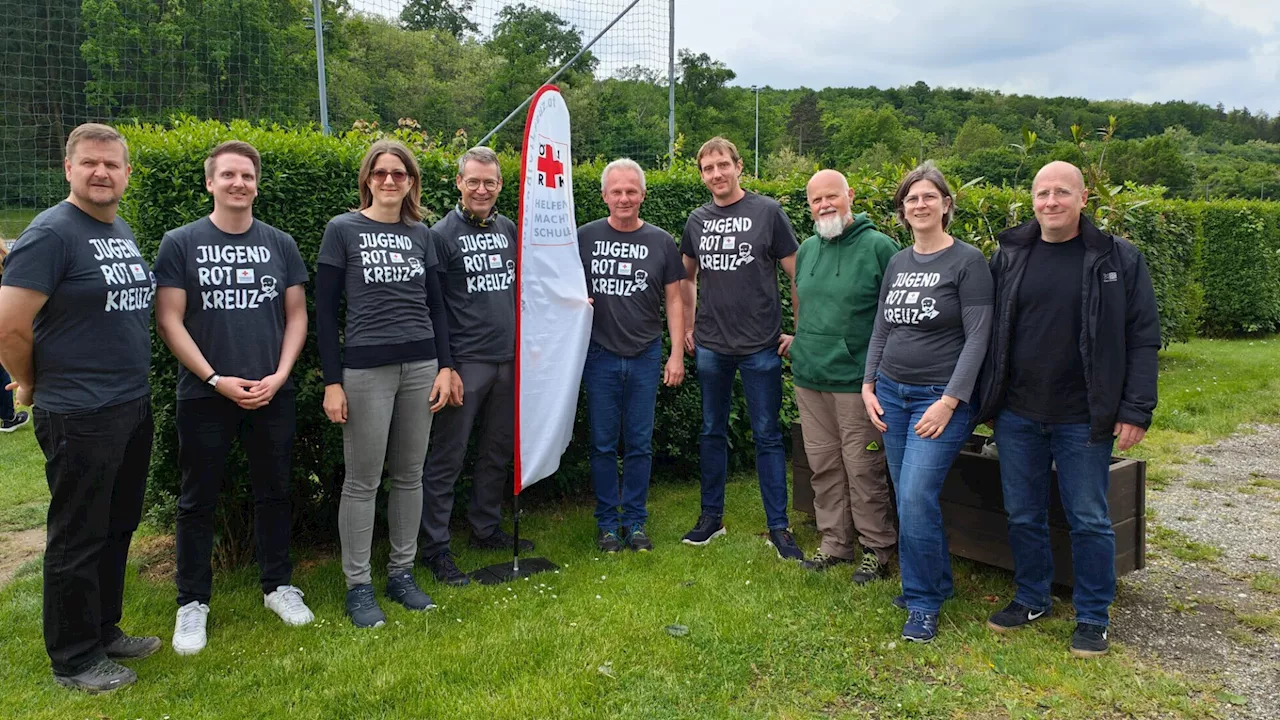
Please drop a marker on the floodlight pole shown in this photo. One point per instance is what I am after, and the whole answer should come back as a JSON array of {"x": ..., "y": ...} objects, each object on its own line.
[
  {"x": 756, "y": 88},
  {"x": 324, "y": 92},
  {"x": 557, "y": 73},
  {"x": 671, "y": 84}
]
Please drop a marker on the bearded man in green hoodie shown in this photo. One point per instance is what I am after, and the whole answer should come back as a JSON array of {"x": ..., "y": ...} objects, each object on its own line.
[{"x": 837, "y": 289}]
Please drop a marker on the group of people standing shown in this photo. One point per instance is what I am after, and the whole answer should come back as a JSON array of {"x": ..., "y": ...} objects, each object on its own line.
[{"x": 887, "y": 359}]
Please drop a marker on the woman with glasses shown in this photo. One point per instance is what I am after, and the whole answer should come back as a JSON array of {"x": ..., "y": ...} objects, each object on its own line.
[
  {"x": 391, "y": 373},
  {"x": 926, "y": 349}
]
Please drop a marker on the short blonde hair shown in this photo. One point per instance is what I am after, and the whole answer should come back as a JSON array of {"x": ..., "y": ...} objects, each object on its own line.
[
  {"x": 721, "y": 145},
  {"x": 98, "y": 132},
  {"x": 234, "y": 147},
  {"x": 621, "y": 164}
]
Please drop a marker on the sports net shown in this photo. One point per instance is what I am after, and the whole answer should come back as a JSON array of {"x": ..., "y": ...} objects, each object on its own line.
[{"x": 450, "y": 65}]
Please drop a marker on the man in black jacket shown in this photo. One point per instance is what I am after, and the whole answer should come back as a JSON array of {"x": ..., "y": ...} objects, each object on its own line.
[{"x": 1070, "y": 372}]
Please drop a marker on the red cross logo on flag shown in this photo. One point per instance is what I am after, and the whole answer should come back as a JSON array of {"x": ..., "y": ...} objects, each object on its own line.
[{"x": 550, "y": 166}]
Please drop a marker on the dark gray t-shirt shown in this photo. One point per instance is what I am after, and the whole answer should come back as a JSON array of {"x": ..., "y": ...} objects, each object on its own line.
[
  {"x": 93, "y": 335},
  {"x": 628, "y": 274},
  {"x": 385, "y": 268},
  {"x": 738, "y": 248},
  {"x": 235, "y": 296},
  {"x": 478, "y": 266},
  {"x": 923, "y": 305}
]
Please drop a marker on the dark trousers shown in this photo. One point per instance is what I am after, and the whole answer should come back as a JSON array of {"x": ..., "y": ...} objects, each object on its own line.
[
  {"x": 6, "y": 397},
  {"x": 488, "y": 397},
  {"x": 206, "y": 429},
  {"x": 96, "y": 465}
]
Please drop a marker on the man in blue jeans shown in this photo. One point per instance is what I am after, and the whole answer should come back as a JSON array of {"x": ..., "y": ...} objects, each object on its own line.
[
  {"x": 737, "y": 241},
  {"x": 1071, "y": 371},
  {"x": 633, "y": 268}
]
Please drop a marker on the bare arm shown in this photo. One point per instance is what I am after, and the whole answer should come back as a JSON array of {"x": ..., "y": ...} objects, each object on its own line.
[
  {"x": 689, "y": 288},
  {"x": 295, "y": 329},
  {"x": 18, "y": 309},
  {"x": 673, "y": 373}
]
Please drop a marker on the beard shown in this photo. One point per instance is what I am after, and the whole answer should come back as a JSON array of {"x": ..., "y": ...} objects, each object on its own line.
[{"x": 831, "y": 226}]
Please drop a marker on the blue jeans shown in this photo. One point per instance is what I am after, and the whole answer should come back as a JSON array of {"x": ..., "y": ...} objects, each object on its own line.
[
  {"x": 1027, "y": 450},
  {"x": 621, "y": 394},
  {"x": 917, "y": 467},
  {"x": 762, "y": 386},
  {"x": 6, "y": 397}
]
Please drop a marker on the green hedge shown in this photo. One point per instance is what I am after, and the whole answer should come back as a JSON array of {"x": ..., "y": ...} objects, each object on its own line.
[{"x": 309, "y": 178}]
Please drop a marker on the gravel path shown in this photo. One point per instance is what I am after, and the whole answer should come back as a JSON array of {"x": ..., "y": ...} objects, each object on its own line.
[{"x": 1216, "y": 618}]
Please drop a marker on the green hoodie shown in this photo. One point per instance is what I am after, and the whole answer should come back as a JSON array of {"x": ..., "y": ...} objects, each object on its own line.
[{"x": 838, "y": 291}]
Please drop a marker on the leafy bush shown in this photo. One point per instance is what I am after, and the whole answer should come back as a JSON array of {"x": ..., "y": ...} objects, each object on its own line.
[
  {"x": 309, "y": 178},
  {"x": 1241, "y": 267}
]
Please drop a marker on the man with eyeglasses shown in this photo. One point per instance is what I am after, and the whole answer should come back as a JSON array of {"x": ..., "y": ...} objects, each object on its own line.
[
  {"x": 477, "y": 249},
  {"x": 1071, "y": 370}
]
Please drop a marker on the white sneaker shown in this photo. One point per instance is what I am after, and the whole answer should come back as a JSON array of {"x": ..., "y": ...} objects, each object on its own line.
[
  {"x": 286, "y": 602},
  {"x": 189, "y": 636}
]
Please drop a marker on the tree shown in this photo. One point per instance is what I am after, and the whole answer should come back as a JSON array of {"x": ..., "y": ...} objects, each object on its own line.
[
  {"x": 805, "y": 125},
  {"x": 439, "y": 15},
  {"x": 977, "y": 135}
]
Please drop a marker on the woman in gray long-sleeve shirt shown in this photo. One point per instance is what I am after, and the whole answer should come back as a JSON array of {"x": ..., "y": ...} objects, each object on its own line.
[{"x": 927, "y": 346}]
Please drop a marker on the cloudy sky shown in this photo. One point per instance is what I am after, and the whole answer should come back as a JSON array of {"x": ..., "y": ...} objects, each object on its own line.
[{"x": 1146, "y": 50}]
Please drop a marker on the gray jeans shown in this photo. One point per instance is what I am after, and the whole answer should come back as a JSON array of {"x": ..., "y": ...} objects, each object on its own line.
[{"x": 388, "y": 421}]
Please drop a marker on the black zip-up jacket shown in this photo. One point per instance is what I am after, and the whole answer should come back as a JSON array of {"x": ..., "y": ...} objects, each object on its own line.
[{"x": 1120, "y": 335}]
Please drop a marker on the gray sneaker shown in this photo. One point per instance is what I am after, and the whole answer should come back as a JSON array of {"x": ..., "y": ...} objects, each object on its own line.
[
  {"x": 102, "y": 676},
  {"x": 127, "y": 647}
]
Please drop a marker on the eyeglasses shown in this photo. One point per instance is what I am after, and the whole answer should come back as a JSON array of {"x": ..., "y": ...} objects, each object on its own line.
[
  {"x": 925, "y": 199},
  {"x": 1058, "y": 194},
  {"x": 475, "y": 184},
  {"x": 397, "y": 176}
]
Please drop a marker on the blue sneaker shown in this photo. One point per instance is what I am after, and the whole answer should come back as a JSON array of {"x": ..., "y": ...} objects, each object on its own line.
[
  {"x": 402, "y": 589},
  {"x": 363, "y": 608},
  {"x": 921, "y": 627}
]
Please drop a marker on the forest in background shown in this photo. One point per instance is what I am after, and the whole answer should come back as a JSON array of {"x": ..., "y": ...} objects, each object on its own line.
[{"x": 65, "y": 61}]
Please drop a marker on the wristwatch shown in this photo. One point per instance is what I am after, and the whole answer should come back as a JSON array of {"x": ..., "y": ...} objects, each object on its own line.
[{"x": 213, "y": 379}]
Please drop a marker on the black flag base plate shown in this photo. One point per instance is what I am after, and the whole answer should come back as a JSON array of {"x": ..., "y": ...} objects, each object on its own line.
[{"x": 506, "y": 572}]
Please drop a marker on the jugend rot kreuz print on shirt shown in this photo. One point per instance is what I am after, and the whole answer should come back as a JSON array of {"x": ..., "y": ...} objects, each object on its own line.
[
  {"x": 235, "y": 286},
  {"x": 738, "y": 247},
  {"x": 93, "y": 336},
  {"x": 628, "y": 273},
  {"x": 488, "y": 270},
  {"x": 908, "y": 301},
  {"x": 385, "y": 277}
]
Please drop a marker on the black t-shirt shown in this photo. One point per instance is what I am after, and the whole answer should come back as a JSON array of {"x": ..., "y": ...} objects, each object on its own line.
[
  {"x": 385, "y": 268},
  {"x": 738, "y": 248},
  {"x": 235, "y": 288},
  {"x": 922, "y": 301},
  {"x": 1046, "y": 369},
  {"x": 93, "y": 335},
  {"x": 628, "y": 274},
  {"x": 478, "y": 274}
]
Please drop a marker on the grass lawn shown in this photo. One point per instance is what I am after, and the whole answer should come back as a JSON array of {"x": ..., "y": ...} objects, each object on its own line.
[
  {"x": 24, "y": 496},
  {"x": 765, "y": 638},
  {"x": 14, "y": 220}
]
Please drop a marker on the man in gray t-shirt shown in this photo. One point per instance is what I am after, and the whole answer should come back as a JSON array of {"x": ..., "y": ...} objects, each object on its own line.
[
  {"x": 632, "y": 268},
  {"x": 737, "y": 241},
  {"x": 75, "y": 315},
  {"x": 232, "y": 308},
  {"x": 477, "y": 251}
]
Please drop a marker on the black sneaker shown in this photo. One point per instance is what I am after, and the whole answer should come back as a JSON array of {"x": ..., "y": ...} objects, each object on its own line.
[
  {"x": 607, "y": 540},
  {"x": 19, "y": 419},
  {"x": 869, "y": 569},
  {"x": 1089, "y": 640},
  {"x": 785, "y": 544},
  {"x": 707, "y": 529},
  {"x": 637, "y": 539},
  {"x": 445, "y": 570},
  {"x": 499, "y": 540},
  {"x": 102, "y": 676},
  {"x": 403, "y": 589},
  {"x": 822, "y": 561},
  {"x": 126, "y": 647},
  {"x": 362, "y": 607},
  {"x": 1014, "y": 615}
]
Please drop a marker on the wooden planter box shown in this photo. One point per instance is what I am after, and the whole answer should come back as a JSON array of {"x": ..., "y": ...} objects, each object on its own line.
[{"x": 976, "y": 523}]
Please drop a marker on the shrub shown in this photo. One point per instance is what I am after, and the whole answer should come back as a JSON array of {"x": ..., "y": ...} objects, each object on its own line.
[
  {"x": 1241, "y": 257},
  {"x": 308, "y": 178}
]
